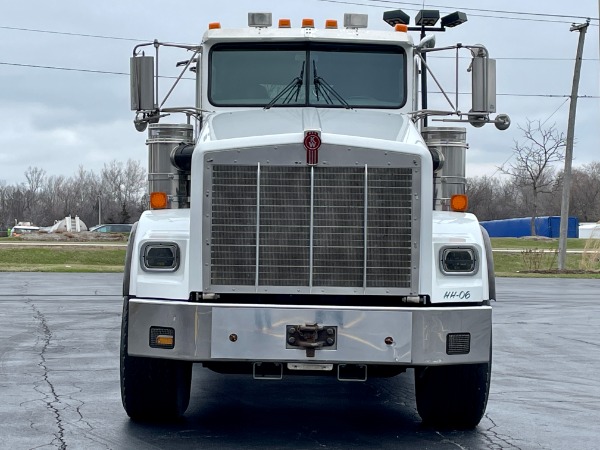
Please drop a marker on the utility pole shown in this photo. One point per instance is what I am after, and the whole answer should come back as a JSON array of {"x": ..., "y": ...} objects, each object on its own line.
[{"x": 566, "y": 192}]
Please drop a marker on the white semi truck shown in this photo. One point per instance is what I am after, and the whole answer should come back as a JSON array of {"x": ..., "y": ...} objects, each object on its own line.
[{"x": 303, "y": 220}]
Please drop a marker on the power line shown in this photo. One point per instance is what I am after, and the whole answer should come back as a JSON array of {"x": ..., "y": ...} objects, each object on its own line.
[
  {"x": 555, "y": 111},
  {"x": 515, "y": 94},
  {"x": 498, "y": 168},
  {"x": 507, "y": 58},
  {"x": 95, "y": 36},
  {"x": 496, "y": 11},
  {"x": 65, "y": 33},
  {"x": 515, "y": 58},
  {"x": 72, "y": 69},
  {"x": 106, "y": 72},
  {"x": 347, "y": 2}
]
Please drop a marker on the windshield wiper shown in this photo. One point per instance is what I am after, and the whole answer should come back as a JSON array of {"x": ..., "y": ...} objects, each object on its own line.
[
  {"x": 291, "y": 91},
  {"x": 327, "y": 90}
]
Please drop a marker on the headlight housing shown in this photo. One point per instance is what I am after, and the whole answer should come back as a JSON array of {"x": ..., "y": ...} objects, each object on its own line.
[
  {"x": 463, "y": 260},
  {"x": 160, "y": 256}
]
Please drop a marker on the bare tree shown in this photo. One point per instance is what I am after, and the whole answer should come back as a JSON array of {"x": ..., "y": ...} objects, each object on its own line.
[
  {"x": 534, "y": 157},
  {"x": 135, "y": 183},
  {"x": 122, "y": 185},
  {"x": 483, "y": 193},
  {"x": 585, "y": 192},
  {"x": 42, "y": 199},
  {"x": 35, "y": 177}
]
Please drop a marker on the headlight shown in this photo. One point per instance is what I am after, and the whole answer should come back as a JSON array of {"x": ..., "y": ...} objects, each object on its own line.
[
  {"x": 160, "y": 256},
  {"x": 459, "y": 260}
]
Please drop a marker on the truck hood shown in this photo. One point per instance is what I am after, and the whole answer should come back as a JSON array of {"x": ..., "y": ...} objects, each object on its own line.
[{"x": 280, "y": 121}]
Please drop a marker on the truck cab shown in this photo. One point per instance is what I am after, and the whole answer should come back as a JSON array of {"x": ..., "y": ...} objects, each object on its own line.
[{"x": 301, "y": 221}]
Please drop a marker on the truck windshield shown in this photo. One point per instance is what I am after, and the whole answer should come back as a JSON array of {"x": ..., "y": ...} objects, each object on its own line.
[{"x": 315, "y": 74}]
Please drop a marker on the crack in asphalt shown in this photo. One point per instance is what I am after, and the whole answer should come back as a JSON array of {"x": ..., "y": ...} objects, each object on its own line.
[
  {"x": 450, "y": 441},
  {"x": 78, "y": 409},
  {"x": 52, "y": 399},
  {"x": 503, "y": 442}
]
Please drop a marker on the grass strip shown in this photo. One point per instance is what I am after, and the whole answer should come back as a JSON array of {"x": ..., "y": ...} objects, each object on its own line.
[
  {"x": 107, "y": 259},
  {"x": 546, "y": 244},
  {"x": 62, "y": 256}
]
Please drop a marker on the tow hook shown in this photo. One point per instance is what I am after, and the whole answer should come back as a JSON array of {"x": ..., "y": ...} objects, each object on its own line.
[{"x": 311, "y": 337}]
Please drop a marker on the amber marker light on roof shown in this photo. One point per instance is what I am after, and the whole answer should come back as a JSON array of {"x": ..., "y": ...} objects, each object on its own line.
[
  {"x": 308, "y": 23},
  {"x": 214, "y": 25},
  {"x": 159, "y": 200},
  {"x": 401, "y": 27},
  {"x": 459, "y": 203},
  {"x": 331, "y": 24},
  {"x": 285, "y": 23}
]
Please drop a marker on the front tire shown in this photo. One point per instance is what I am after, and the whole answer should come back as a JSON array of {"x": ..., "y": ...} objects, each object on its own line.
[
  {"x": 152, "y": 389},
  {"x": 452, "y": 396}
]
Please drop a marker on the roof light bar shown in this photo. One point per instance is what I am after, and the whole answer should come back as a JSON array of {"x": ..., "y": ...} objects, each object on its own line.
[
  {"x": 454, "y": 19},
  {"x": 356, "y": 20},
  {"x": 396, "y": 17},
  {"x": 427, "y": 17},
  {"x": 260, "y": 19}
]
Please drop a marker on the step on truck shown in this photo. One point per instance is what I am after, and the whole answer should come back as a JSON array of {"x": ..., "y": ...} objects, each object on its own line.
[{"x": 304, "y": 219}]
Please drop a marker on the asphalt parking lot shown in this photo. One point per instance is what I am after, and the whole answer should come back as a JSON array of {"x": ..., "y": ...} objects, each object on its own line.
[{"x": 59, "y": 380}]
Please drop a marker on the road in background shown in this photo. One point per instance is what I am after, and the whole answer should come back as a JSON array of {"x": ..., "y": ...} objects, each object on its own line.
[{"x": 59, "y": 380}]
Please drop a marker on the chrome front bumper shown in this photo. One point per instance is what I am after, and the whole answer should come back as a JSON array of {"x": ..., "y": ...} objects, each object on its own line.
[{"x": 232, "y": 332}]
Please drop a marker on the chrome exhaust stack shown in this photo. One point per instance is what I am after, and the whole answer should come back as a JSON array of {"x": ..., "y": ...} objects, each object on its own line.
[
  {"x": 448, "y": 145},
  {"x": 163, "y": 174}
]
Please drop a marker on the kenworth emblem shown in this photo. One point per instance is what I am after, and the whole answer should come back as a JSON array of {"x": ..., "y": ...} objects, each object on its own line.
[{"x": 312, "y": 142}]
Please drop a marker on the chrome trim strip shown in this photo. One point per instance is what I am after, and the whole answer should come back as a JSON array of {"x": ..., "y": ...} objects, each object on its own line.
[
  {"x": 365, "y": 230},
  {"x": 257, "y": 272},
  {"x": 312, "y": 227}
]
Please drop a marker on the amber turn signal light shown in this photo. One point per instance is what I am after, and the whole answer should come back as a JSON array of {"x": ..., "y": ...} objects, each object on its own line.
[
  {"x": 159, "y": 200},
  {"x": 459, "y": 202}
]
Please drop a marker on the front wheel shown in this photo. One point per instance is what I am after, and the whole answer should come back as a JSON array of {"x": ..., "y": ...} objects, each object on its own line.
[
  {"x": 452, "y": 396},
  {"x": 152, "y": 389}
]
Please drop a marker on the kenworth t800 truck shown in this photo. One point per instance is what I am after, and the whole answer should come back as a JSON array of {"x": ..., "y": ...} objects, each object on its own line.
[{"x": 303, "y": 220}]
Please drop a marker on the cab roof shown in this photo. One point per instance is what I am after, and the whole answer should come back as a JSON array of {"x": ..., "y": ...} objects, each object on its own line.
[{"x": 299, "y": 34}]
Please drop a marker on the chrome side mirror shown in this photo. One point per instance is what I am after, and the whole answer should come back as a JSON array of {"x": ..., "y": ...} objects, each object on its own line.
[
  {"x": 141, "y": 77},
  {"x": 483, "y": 77}
]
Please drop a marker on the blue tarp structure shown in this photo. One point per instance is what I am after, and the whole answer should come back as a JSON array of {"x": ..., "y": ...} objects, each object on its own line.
[{"x": 548, "y": 226}]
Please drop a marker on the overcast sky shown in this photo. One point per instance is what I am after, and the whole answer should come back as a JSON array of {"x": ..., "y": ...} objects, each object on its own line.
[{"x": 64, "y": 96}]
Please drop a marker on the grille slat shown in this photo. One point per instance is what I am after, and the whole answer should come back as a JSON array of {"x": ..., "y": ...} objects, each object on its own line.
[{"x": 283, "y": 207}]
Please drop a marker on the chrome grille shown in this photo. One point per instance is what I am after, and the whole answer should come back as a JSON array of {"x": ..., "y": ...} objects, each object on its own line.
[
  {"x": 389, "y": 223},
  {"x": 233, "y": 239},
  {"x": 315, "y": 226},
  {"x": 284, "y": 229},
  {"x": 339, "y": 227}
]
